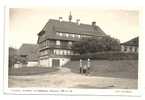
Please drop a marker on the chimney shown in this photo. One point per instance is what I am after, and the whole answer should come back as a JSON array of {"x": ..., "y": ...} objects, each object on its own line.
[
  {"x": 93, "y": 23},
  {"x": 60, "y": 19},
  {"x": 70, "y": 17},
  {"x": 78, "y": 21}
]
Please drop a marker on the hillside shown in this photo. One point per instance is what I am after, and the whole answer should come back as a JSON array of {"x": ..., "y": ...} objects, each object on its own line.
[{"x": 108, "y": 68}]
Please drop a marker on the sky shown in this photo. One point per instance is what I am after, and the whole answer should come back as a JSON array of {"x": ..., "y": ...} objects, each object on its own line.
[{"x": 26, "y": 23}]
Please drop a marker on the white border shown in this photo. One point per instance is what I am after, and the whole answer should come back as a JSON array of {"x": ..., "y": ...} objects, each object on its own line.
[{"x": 66, "y": 91}]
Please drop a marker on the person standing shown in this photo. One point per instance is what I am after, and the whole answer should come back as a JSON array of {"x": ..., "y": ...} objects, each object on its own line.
[
  {"x": 85, "y": 69},
  {"x": 88, "y": 66},
  {"x": 81, "y": 65}
]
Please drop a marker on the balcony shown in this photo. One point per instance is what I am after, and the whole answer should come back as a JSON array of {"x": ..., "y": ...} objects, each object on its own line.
[{"x": 56, "y": 47}]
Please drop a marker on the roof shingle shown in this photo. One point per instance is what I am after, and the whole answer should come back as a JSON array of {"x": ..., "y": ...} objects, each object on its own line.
[
  {"x": 132, "y": 42},
  {"x": 53, "y": 26}
]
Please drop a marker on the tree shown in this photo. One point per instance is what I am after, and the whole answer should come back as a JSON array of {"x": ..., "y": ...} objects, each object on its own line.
[
  {"x": 12, "y": 57},
  {"x": 94, "y": 44}
]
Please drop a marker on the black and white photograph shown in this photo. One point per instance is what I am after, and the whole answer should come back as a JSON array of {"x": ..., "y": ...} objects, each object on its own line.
[{"x": 73, "y": 48}]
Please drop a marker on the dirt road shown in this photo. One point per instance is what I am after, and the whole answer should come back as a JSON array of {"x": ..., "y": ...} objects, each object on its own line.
[{"x": 66, "y": 79}]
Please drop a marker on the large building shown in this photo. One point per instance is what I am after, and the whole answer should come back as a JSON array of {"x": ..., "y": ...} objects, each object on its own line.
[{"x": 57, "y": 36}]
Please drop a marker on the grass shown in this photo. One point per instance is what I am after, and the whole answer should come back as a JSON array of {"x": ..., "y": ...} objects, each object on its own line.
[
  {"x": 109, "y": 68},
  {"x": 105, "y": 68},
  {"x": 31, "y": 71}
]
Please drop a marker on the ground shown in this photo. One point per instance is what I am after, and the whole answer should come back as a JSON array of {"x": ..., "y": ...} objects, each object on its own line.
[{"x": 101, "y": 77}]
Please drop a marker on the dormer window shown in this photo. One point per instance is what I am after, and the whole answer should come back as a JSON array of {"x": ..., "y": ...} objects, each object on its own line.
[
  {"x": 57, "y": 33},
  {"x": 72, "y": 35},
  {"x": 60, "y": 34},
  {"x": 79, "y": 36},
  {"x": 66, "y": 34},
  {"x": 70, "y": 43}
]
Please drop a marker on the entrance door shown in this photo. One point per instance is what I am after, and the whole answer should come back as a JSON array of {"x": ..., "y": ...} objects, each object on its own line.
[{"x": 55, "y": 63}]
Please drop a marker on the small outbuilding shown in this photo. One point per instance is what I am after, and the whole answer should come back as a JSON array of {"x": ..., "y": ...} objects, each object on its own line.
[
  {"x": 28, "y": 55},
  {"x": 130, "y": 46}
]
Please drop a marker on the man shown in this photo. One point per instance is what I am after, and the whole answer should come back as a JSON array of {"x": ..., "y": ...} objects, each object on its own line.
[
  {"x": 85, "y": 69},
  {"x": 81, "y": 65},
  {"x": 88, "y": 66}
]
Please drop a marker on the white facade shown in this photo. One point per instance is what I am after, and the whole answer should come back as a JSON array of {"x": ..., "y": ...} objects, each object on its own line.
[
  {"x": 32, "y": 64},
  {"x": 131, "y": 49},
  {"x": 44, "y": 63},
  {"x": 17, "y": 65},
  {"x": 49, "y": 62}
]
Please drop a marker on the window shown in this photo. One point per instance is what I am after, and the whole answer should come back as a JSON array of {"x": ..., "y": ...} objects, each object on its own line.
[
  {"x": 67, "y": 34},
  {"x": 60, "y": 34},
  {"x": 73, "y": 35},
  {"x": 130, "y": 49},
  {"x": 65, "y": 52},
  {"x": 61, "y": 52},
  {"x": 58, "y": 52},
  {"x": 71, "y": 53},
  {"x": 79, "y": 36},
  {"x": 57, "y": 42},
  {"x": 44, "y": 52},
  {"x": 68, "y": 52},
  {"x": 125, "y": 48},
  {"x": 70, "y": 43},
  {"x": 64, "y": 43},
  {"x": 63, "y": 34},
  {"x": 57, "y": 33},
  {"x": 51, "y": 51},
  {"x": 54, "y": 51}
]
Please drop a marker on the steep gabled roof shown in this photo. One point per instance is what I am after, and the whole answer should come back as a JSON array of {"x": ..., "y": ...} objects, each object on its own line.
[
  {"x": 132, "y": 42},
  {"x": 71, "y": 27},
  {"x": 53, "y": 26},
  {"x": 31, "y": 50}
]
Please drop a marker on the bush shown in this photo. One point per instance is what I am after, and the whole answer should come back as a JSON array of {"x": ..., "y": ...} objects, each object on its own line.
[{"x": 96, "y": 44}]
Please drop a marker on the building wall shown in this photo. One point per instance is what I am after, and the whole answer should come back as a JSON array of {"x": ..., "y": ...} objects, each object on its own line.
[
  {"x": 51, "y": 50},
  {"x": 32, "y": 64},
  {"x": 44, "y": 63},
  {"x": 18, "y": 65},
  {"x": 48, "y": 62},
  {"x": 131, "y": 49}
]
